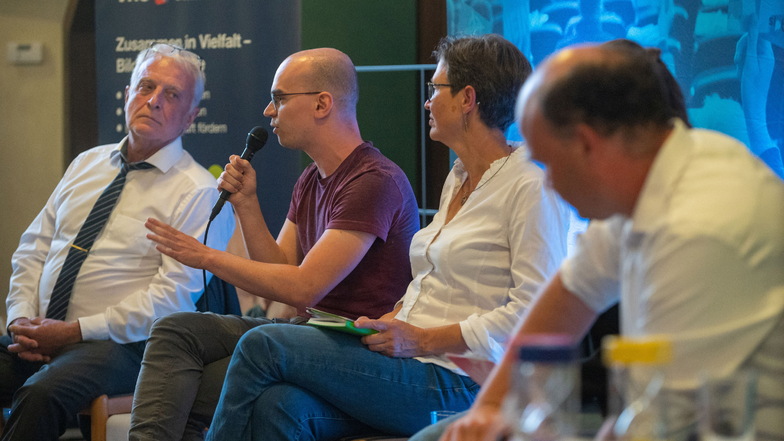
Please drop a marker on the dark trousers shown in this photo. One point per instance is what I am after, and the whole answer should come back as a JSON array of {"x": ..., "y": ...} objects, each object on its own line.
[{"x": 47, "y": 396}]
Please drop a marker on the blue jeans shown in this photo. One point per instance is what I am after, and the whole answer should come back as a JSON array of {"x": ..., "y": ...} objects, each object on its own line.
[{"x": 302, "y": 383}]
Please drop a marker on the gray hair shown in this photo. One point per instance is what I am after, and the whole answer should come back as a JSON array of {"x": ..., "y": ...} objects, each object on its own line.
[
  {"x": 493, "y": 66},
  {"x": 187, "y": 60}
]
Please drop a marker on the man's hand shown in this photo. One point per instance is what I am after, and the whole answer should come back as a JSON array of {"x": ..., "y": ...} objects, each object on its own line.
[
  {"x": 481, "y": 423},
  {"x": 38, "y": 339},
  {"x": 239, "y": 179},
  {"x": 395, "y": 338},
  {"x": 176, "y": 244},
  {"x": 21, "y": 343}
]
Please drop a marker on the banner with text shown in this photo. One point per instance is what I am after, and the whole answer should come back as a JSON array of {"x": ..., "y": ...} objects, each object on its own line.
[{"x": 241, "y": 44}]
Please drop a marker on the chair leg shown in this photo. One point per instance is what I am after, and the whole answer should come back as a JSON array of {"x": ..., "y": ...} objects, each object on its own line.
[
  {"x": 99, "y": 413},
  {"x": 101, "y": 409}
]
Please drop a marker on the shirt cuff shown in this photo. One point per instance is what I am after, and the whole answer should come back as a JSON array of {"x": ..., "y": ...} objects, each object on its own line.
[
  {"x": 469, "y": 337},
  {"x": 94, "y": 327},
  {"x": 481, "y": 346},
  {"x": 570, "y": 277},
  {"x": 16, "y": 312}
]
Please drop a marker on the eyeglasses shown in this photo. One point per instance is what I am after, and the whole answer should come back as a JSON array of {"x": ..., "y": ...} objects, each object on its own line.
[
  {"x": 431, "y": 88},
  {"x": 276, "y": 98},
  {"x": 171, "y": 50}
]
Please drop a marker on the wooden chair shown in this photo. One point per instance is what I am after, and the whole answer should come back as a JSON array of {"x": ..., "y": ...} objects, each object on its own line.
[{"x": 101, "y": 409}]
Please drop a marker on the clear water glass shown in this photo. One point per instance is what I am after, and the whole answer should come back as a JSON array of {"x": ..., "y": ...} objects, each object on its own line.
[{"x": 726, "y": 407}]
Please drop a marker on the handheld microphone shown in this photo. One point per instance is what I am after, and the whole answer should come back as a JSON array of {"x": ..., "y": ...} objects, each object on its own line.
[{"x": 256, "y": 139}]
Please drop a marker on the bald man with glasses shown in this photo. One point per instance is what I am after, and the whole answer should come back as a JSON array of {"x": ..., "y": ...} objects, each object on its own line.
[
  {"x": 343, "y": 247},
  {"x": 86, "y": 284}
]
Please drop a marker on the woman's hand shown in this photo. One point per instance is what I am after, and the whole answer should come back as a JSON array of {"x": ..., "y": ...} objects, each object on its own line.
[{"x": 395, "y": 338}]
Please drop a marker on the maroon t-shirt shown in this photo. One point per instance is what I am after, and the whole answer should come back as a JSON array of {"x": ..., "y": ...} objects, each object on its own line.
[{"x": 367, "y": 193}]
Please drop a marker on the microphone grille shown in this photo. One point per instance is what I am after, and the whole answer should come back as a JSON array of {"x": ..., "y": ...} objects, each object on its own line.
[{"x": 257, "y": 137}]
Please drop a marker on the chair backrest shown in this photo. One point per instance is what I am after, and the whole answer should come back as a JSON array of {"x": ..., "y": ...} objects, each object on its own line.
[{"x": 220, "y": 298}]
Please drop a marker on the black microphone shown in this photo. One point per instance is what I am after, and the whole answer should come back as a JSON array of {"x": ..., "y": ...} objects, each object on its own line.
[{"x": 256, "y": 139}]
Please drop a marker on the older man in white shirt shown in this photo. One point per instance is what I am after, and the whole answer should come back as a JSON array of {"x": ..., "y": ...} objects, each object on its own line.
[{"x": 70, "y": 344}]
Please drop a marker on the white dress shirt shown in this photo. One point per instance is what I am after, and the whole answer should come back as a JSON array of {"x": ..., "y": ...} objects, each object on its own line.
[
  {"x": 125, "y": 283},
  {"x": 482, "y": 269},
  {"x": 701, "y": 260}
]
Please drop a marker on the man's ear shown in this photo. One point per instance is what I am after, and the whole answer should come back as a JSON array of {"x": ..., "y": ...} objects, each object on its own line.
[
  {"x": 324, "y": 104},
  {"x": 588, "y": 138},
  {"x": 192, "y": 117}
]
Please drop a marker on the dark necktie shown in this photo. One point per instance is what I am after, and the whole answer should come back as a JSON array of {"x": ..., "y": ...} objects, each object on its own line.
[{"x": 61, "y": 293}]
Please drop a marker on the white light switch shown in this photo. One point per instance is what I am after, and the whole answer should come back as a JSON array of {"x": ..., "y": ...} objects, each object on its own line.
[{"x": 25, "y": 53}]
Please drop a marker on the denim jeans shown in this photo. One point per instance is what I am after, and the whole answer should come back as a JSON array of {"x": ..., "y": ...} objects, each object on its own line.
[{"x": 302, "y": 383}]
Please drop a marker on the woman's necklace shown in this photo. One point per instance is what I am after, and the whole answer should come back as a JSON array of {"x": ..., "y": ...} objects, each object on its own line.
[{"x": 467, "y": 194}]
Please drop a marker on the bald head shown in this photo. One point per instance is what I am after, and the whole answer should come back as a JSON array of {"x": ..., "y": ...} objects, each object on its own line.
[
  {"x": 610, "y": 90},
  {"x": 328, "y": 70}
]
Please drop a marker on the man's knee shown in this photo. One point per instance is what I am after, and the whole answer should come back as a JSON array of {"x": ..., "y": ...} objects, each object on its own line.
[
  {"x": 37, "y": 391},
  {"x": 39, "y": 394},
  {"x": 181, "y": 327},
  {"x": 174, "y": 322}
]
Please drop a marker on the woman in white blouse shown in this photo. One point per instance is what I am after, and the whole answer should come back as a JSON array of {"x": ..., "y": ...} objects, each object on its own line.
[{"x": 499, "y": 233}]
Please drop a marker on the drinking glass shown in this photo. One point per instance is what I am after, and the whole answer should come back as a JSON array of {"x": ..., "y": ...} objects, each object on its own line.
[
  {"x": 438, "y": 415},
  {"x": 726, "y": 407}
]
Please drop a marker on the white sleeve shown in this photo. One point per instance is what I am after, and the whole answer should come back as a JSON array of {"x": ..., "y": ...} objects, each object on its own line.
[
  {"x": 30, "y": 256},
  {"x": 592, "y": 273}
]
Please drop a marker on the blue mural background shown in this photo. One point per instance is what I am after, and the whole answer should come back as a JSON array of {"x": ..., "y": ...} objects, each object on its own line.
[{"x": 728, "y": 55}]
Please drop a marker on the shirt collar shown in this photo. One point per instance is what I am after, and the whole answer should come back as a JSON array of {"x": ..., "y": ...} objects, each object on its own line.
[
  {"x": 667, "y": 169},
  {"x": 164, "y": 159}
]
